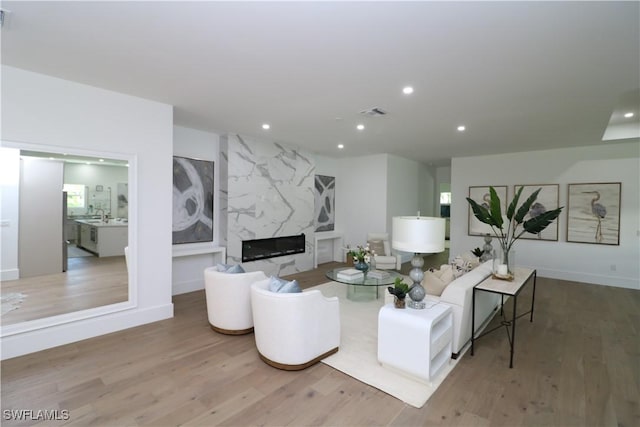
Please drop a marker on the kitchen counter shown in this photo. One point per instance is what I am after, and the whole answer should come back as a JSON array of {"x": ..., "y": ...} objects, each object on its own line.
[
  {"x": 103, "y": 238},
  {"x": 98, "y": 223}
]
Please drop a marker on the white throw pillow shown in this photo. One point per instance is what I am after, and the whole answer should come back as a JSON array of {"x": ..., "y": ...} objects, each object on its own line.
[
  {"x": 432, "y": 284},
  {"x": 377, "y": 247},
  {"x": 435, "y": 281}
]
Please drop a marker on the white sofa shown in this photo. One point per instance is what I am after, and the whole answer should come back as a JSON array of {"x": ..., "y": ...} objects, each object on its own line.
[
  {"x": 459, "y": 295},
  {"x": 294, "y": 330}
]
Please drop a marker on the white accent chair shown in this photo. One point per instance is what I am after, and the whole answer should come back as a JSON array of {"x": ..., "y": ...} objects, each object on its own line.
[
  {"x": 229, "y": 300},
  {"x": 294, "y": 330},
  {"x": 386, "y": 261}
]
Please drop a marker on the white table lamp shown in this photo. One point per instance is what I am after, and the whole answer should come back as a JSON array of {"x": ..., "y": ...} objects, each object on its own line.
[{"x": 420, "y": 235}]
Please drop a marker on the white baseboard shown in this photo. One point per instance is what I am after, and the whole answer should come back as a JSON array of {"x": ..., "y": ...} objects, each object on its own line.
[
  {"x": 6, "y": 275},
  {"x": 185, "y": 287},
  {"x": 596, "y": 279},
  {"x": 40, "y": 339}
]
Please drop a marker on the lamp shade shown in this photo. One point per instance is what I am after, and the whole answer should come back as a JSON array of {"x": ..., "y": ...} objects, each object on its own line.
[{"x": 418, "y": 234}]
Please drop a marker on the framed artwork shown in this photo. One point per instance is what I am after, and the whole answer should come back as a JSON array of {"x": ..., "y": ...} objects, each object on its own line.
[
  {"x": 123, "y": 200},
  {"x": 192, "y": 200},
  {"x": 548, "y": 199},
  {"x": 325, "y": 199},
  {"x": 593, "y": 214},
  {"x": 481, "y": 196}
]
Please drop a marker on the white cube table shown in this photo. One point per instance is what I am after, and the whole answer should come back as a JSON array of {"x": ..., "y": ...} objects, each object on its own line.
[{"x": 415, "y": 342}]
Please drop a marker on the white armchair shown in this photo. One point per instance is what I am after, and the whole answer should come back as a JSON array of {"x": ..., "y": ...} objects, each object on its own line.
[
  {"x": 294, "y": 330},
  {"x": 229, "y": 300},
  {"x": 385, "y": 260}
]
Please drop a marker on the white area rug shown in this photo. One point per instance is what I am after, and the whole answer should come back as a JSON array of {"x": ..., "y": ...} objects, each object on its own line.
[
  {"x": 358, "y": 354},
  {"x": 11, "y": 301}
]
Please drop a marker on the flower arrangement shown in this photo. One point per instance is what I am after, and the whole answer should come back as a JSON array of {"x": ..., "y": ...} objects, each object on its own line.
[{"x": 361, "y": 253}]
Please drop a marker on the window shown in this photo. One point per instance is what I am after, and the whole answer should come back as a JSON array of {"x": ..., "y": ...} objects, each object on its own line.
[{"x": 75, "y": 195}]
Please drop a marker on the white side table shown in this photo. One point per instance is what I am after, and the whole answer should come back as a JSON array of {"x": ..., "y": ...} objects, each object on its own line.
[{"x": 416, "y": 342}]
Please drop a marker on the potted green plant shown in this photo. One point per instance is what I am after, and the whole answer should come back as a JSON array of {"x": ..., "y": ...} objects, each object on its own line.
[
  {"x": 477, "y": 252},
  {"x": 399, "y": 290},
  {"x": 516, "y": 225}
]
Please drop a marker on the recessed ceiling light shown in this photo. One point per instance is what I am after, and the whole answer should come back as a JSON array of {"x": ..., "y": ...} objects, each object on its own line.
[
  {"x": 628, "y": 115},
  {"x": 88, "y": 163},
  {"x": 360, "y": 127},
  {"x": 407, "y": 90},
  {"x": 101, "y": 160},
  {"x": 461, "y": 128},
  {"x": 340, "y": 146},
  {"x": 51, "y": 158},
  {"x": 266, "y": 126}
]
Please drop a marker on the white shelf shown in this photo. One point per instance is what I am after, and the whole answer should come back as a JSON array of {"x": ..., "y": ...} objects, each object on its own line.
[
  {"x": 417, "y": 342},
  {"x": 336, "y": 236},
  {"x": 190, "y": 249}
]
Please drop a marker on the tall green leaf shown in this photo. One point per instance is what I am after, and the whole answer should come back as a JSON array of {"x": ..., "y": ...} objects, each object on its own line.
[
  {"x": 512, "y": 206},
  {"x": 539, "y": 223},
  {"x": 480, "y": 212},
  {"x": 496, "y": 209},
  {"x": 524, "y": 209}
]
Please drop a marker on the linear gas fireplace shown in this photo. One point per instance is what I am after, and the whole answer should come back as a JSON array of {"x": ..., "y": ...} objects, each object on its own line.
[{"x": 253, "y": 250}]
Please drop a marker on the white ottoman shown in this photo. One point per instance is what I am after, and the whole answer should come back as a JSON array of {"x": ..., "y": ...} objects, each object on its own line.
[{"x": 415, "y": 342}]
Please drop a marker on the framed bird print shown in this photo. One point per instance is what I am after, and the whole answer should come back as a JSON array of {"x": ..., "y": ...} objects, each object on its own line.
[
  {"x": 593, "y": 214},
  {"x": 481, "y": 196},
  {"x": 547, "y": 200}
]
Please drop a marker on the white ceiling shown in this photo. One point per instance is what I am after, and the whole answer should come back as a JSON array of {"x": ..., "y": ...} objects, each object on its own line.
[{"x": 519, "y": 75}]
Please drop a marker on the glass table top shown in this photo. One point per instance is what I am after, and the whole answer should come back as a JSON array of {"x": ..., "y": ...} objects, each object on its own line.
[{"x": 369, "y": 279}]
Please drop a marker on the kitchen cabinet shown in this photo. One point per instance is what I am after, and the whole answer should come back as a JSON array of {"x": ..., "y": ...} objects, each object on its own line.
[
  {"x": 85, "y": 237},
  {"x": 103, "y": 239},
  {"x": 71, "y": 231}
]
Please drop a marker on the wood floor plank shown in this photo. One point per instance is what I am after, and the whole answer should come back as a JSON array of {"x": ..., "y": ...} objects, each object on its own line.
[
  {"x": 575, "y": 365},
  {"x": 90, "y": 282}
]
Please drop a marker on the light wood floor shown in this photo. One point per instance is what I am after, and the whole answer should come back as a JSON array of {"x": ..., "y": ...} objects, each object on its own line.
[
  {"x": 577, "y": 364},
  {"x": 89, "y": 282}
]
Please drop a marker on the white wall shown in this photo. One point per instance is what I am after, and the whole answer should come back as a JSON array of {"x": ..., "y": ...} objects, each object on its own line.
[
  {"x": 403, "y": 190},
  {"x": 590, "y": 263},
  {"x": 9, "y": 213},
  {"x": 187, "y": 274},
  {"x": 361, "y": 203},
  {"x": 428, "y": 192},
  {"x": 371, "y": 190},
  {"x": 46, "y": 112}
]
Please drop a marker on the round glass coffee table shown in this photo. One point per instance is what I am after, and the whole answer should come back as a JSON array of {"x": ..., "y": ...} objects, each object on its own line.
[{"x": 367, "y": 287}]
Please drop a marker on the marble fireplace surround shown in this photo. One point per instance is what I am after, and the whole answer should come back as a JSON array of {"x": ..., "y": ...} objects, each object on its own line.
[{"x": 269, "y": 193}]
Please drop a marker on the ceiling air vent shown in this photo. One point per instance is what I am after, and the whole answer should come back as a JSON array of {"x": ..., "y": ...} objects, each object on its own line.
[{"x": 373, "y": 112}]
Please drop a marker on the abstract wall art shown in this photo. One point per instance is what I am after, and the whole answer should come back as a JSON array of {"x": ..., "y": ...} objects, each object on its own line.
[
  {"x": 325, "y": 198},
  {"x": 192, "y": 200},
  {"x": 593, "y": 214}
]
